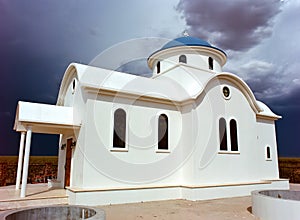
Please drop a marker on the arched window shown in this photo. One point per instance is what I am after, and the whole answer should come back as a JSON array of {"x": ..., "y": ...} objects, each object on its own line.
[
  {"x": 182, "y": 59},
  {"x": 163, "y": 137},
  {"x": 268, "y": 149},
  {"x": 233, "y": 135},
  {"x": 158, "y": 67},
  {"x": 119, "y": 138},
  {"x": 222, "y": 134},
  {"x": 73, "y": 86},
  {"x": 210, "y": 63}
]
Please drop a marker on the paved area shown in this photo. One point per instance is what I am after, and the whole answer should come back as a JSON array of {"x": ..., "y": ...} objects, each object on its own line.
[
  {"x": 36, "y": 194},
  {"x": 34, "y": 191},
  {"x": 294, "y": 186}
]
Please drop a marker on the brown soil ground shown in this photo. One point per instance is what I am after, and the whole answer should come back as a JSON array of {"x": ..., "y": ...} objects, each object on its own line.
[{"x": 218, "y": 209}]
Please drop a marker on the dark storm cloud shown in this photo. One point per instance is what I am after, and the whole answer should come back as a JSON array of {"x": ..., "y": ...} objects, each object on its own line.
[
  {"x": 37, "y": 42},
  {"x": 290, "y": 100},
  {"x": 233, "y": 25},
  {"x": 270, "y": 81},
  {"x": 257, "y": 75},
  {"x": 288, "y": 106},
  {"x": 39, "y": 39}
]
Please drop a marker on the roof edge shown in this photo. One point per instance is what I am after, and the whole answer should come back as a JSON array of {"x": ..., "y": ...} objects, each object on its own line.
[{"x": 74, "y": 69}]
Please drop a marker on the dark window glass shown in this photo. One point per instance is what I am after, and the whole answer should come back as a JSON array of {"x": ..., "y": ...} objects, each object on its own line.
[
  {"x": 73, "y": 84},
  {"x": 222, "y": 134},
  {"x": 119, "y": 138},
  {"x": 158, "y": 67},
  {"x": 268, "y": 153},
  {"x": 226, "y": 92},
  {"x": 210, "y": 63},
  {"x": 182, "y": 59},
  {"x": 233, "y": 135},
  {"x": 163, "y": 132}
]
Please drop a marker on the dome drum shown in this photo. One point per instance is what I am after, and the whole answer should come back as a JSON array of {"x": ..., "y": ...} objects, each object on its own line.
[{"x": 190, "y": 47}]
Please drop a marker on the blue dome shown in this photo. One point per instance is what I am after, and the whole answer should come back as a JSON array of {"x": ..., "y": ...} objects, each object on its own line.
[{"x": 186, "y": 41}]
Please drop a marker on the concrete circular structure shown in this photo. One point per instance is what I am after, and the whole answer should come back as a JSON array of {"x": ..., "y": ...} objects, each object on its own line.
[
  {"x": 59, "y": 212},
  {"x": 276, "y": 204}
]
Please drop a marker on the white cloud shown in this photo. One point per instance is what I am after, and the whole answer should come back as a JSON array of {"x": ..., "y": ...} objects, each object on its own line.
[{"x": 296, "y": 81}]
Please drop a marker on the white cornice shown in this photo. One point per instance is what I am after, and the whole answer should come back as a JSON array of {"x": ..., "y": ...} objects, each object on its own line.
[{"x": 132, "y": 96}]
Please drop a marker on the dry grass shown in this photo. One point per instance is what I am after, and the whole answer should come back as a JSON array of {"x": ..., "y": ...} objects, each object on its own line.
[{"x": 290, "y": 168}]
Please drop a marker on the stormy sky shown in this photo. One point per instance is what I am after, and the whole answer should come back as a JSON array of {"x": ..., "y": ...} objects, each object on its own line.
[{"x": 38, "y": 40}]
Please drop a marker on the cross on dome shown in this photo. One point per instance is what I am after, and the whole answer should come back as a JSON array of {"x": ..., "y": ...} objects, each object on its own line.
[{"x": 185, "y": 33}]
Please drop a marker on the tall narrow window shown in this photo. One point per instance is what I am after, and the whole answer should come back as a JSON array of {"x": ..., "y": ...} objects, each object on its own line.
[
  {"x": 163, "y": 137},
  {"x": 119, "y": 138},
  {"x": 158, "y": 67},
  {"x": 182, "y": 59},
  {"x": 73, "y": 86},
  {"x": 233, "y": 135},
  {"x": 268, "y": 153},
  {"x": 210, "y": 63},
  {"x": 222, "y": 134}
]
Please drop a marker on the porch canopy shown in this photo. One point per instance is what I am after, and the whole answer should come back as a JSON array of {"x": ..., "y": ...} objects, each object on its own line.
[
  {"x": 44, "y": 118},
  {"x": 40, "y": 118}
]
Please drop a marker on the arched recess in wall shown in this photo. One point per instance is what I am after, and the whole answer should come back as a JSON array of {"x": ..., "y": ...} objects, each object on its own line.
[
  {"x": 119, "y": 137},
  {"x": 163, "y": 132}
]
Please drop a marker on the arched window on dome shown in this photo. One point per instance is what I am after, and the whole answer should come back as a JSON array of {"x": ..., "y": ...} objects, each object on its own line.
[
  {"x": 182, "y": 59},
  {"x": 119, "y": 137},
  {"x": 210, "y": 63},
  {"x": 158, "y": 67},
  {"x": 163, "y": 136},
  {"x": 223, "y": 134}
]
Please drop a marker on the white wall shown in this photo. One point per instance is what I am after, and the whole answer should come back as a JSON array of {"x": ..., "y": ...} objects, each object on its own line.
[
  {"x": 249, "y": 163},
  {"x": 194, "y": 157},
  {"x": 141, "y": 156},
  {"x": 267, "y": 137}
]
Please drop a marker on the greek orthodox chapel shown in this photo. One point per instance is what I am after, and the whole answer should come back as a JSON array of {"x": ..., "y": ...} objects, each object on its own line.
[{"x": 191, "y": 131}]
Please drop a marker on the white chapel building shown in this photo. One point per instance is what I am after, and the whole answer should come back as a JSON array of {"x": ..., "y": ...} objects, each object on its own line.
[{"x": 191, "y": 131}]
